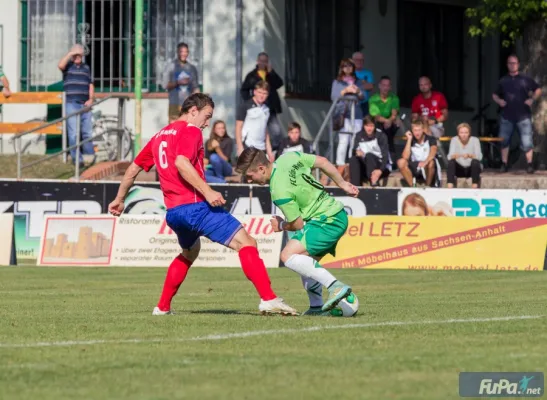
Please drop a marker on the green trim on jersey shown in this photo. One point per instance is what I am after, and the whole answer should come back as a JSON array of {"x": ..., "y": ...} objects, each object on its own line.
[{"x": 296, "y": 192}]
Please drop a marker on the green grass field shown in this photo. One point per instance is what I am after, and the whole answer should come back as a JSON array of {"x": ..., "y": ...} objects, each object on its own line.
[{"x": 88, "y": 333}]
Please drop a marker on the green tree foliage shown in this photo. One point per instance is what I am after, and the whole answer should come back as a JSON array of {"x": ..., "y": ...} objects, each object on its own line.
[{"x": 508, "y": 17}]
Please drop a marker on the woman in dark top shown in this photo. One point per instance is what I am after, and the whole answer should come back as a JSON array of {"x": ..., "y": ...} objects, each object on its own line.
[{"x": 218, "y": 150}]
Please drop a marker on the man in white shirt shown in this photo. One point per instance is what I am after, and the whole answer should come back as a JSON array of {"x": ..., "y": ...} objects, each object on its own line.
[
  {"x": 252, "y": 122},
  {"x": 418, "y": 158}
]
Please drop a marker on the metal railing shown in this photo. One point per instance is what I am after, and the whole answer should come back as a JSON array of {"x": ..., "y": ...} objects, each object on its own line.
[
  {"x": 328, "y": 122},
  {"x": 79, "y": 142},
  {"x": 106, "y": 29}
]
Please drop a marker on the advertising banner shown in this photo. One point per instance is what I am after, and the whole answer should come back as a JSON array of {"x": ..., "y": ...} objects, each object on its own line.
[
  {"x": 442, "y": 243},
  {"x": 473, "y": 203},
  {"x": 77, "y": 241},
  {"x": 141, "y": 241},
  {"x": 6, "y": 238},
  {"x": 31, "y": 201}
]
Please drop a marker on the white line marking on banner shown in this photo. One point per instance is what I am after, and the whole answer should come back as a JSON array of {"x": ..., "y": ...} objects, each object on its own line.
[{"x": 238, "y": 335}]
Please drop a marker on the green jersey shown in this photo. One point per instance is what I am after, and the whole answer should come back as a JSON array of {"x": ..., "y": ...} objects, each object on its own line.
[
  {"x": 1, "y": 73},
  {"x": 377, "y": 106},
  {"x": 295, "y": 191}
]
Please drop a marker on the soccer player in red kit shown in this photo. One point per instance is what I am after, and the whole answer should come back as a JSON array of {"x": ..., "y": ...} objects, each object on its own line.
[{"x": 193, "y": 208}]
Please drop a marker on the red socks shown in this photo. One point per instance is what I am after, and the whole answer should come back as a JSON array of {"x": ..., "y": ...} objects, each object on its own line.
[
  {"x": 175, "y": 276},
  {"x": 255, "y": 270}
]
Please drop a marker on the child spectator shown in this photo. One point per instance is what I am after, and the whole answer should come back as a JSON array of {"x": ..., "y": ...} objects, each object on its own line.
[
  {"x": 293, "y": 142},
  {"x": 371, "y": 155}
]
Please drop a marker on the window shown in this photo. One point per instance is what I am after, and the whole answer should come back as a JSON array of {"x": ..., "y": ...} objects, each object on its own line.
[
  {"x": 106, "y": 29},
  {"x": 430, "y": 43},
  {"x": 318, "y": 35}
]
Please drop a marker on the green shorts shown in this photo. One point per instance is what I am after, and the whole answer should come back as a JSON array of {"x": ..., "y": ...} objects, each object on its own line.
[{"x": 320, "y": 236}]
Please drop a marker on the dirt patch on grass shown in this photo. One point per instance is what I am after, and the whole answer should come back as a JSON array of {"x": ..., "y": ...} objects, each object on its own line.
[{"x": 53, "y": 168}]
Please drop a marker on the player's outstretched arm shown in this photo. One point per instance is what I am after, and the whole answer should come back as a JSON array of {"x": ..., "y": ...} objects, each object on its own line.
[
  {"x": 330, "y": 170},
  {"x": 190, "y": 175},
  {"x": 117, "y": 206}
]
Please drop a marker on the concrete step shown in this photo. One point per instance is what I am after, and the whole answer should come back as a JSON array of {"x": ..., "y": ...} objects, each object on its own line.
[{"x": 490, "y": 179}]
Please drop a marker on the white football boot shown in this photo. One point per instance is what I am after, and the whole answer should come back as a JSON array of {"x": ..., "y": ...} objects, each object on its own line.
[
  {"x": 276, "y": 306},
  {"x": 157, "y": 311}
]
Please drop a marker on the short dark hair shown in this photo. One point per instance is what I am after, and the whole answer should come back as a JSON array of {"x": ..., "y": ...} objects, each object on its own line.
[
  {"x": 181, "y": 45},
  {"x": 262, "y": 53},
  {"x": 200, "y": 100},
  {"x": 368, "y": 120},
  {"x": 385, "y": 77},
  {"x": 263, "y": 85},
  {"x": 250, "y": 159},
  {"x": 294, "y": 125}
]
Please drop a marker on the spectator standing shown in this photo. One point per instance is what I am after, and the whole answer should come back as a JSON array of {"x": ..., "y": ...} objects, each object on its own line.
[
  {"x": 384, "y": 108},
  {"x": 264, "y": 72},
  {"x": 464, "y": 157},
  {"x": 431, "y": 107},
  {"x": 515, "y": 95},
  {"x": 418, "y": 158},
  {"x": 252, "y": 122},
  {"x": 181, "y": 80},
  {"x": 371, "y": 155},
  {"x": 79, "y": 93},
  {"x": 347, "y": 84},
  {"x": 366, "y": 76},
  {"x": 293, "y": 141},
  {"x": 218, "y": 150},
  {"x": 4, "y": 85}
]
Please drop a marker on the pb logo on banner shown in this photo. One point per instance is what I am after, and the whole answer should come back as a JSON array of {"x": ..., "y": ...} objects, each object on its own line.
[
  {"x": 473, "y": 203},
  {"x": 442, "y": 243}
]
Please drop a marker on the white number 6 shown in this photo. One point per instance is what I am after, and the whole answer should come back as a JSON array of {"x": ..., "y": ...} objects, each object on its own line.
[{"x": 162, "y": 155}]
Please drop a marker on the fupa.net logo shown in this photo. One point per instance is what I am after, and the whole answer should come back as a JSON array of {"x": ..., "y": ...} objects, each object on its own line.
[
  {"x": 506, "y": 387},
  {"x": 501, "y": 384}
]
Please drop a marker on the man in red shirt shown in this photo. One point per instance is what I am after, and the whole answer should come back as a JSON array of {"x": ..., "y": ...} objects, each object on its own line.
[
  {"x": 431, "y": 107},
  {"x": 193, "y": 208}
]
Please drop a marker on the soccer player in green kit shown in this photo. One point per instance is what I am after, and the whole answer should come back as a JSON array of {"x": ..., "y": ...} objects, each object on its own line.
[{"x": 316, "y": 220}]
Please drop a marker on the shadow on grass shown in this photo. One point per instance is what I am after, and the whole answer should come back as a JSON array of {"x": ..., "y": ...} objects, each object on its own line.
[{"x": 226, "y": 312}]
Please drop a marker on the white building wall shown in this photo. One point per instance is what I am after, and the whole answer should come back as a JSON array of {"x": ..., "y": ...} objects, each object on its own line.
[{"x": 263, "y": 29}]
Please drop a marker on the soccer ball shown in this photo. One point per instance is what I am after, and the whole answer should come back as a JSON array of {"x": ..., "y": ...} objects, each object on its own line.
[{"x": 348, "y": 307}]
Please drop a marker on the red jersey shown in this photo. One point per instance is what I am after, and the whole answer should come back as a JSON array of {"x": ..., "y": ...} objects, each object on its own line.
[
  {"x": 431, "y": 107},
  {"x": 177, "y": 139}
]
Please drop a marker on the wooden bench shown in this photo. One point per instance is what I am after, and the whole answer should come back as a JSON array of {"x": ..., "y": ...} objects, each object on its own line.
[
  {"x": 32, "y": 98},
  {"x": 491, "y": 141},
  {"x": 449, "y": 138}
]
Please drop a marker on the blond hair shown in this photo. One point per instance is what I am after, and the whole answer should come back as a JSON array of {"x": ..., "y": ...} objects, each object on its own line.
[{"x": 463, "y": 125}]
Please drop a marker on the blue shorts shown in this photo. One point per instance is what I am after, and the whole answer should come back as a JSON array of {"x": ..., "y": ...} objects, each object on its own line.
[{"x": 190, "y": 221}]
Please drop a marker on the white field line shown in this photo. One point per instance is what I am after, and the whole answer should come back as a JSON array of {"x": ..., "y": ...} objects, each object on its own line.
[{"x": 238, "y": 335}]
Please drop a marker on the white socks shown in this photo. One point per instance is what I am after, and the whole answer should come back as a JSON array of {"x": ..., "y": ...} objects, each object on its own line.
[
  {"x": 309, "y": 268},
  {"x": 314, "y": 290}
]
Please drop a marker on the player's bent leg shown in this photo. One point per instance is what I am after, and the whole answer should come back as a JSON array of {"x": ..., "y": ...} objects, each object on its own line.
[
  {"x": 315, "y": 294},
  {"x": 176, "y": 274},
  {"x": 255, "y": 270},
  {"x": 296, "y": 257}
]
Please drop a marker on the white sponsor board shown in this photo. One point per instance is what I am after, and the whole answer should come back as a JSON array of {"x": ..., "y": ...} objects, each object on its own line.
[
  {"x": 473, "y": 203},
  {"x": 6, "y": 237},
  {"x": 142, "y": 241}
]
